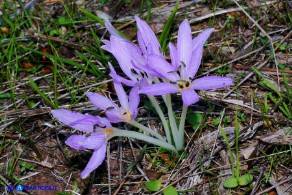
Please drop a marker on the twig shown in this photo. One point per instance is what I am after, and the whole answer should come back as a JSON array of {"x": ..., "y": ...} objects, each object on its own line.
[
  {"x": 258, "y": 181},
  {"x": 274, "y": 186},
  {"x": 224, "y": 12},
  {"x": 267, "y": 35},
  {"x": 228, "y": 63},
  {"x": 243, "y": 80},
  {"x": 218, "y": 130}
]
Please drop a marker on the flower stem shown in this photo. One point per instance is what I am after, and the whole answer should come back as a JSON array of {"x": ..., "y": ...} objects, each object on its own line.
[
  {"x": 162, "y": 118},
  {"x": 182, "y": 126},
  {"x": 141, "y": 136},
  {"x": 172, "y": 121},
  {"x": 146, "y": 129}
]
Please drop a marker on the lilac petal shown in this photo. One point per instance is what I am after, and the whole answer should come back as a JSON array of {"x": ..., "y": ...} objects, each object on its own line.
[
  {"x": 159, "y": 89},
  {"x": 122, "y": 96},
  {"x": 141, "y": 42},
  {"x": 142, "y": 83},
  {"x": 201, "y": 38},
  {"x": 189, "y": 97},
  {"x": 162, "y": 67},
  {"x": 118, "y": 78},
  {"x": 104, "y": 123},
  {"x": 111, "y": 29},
  {"x": 148, "y": 36},
  {"x": 74, "y": 141},
  {"x": 211, "y": 82},
  {"x": 81, "y": 142},
  {"x": 126, "y": 53},
  {"x": 123, "y": 56},
  {"x": 112, "y": 68},
  {"x": 174, "y": 56},
  {"x": 95, "y": 161},
  {"x": 146, "y": 70},
  {"x": 76, "y": 120},
  {"x": 100, "y": 101},
  {"x": 116, "y": 115},
  {"x": 184, "y": 43},
  {"x": 134, "y": 100},
  {"x": 106, "y": 46},
  {"x": 195, "y": 62}
]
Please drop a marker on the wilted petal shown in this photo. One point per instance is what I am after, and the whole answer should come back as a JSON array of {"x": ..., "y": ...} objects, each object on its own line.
[
  {"x": 173, "y": 56},
  {"x": 184, "y": 43},
  {"x": 100, "y": 101},
  {"x": 96, "y": 159},
  {"x": 189, "y": 97},
  {"x": 195, "y": 62},
  {"x": 76, "y": 120},
  {"x": 122, "y": 96},
  {"x": 134, "y": 100},
  {"x": 148, "y": 36},
  {"x": 81, "y": 142},
  {"x": 159, "y": 89},
  {"x": 211, "y": 82},
  {"x": 162, "y": 67},
  {"x": 111, "y": 29},
  {"x": 202, "y": 38}
]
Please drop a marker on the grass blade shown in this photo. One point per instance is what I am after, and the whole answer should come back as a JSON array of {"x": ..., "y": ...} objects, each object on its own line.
[
  {"x": 42, "y": 94},
  {"x": 166, "y": 29}
]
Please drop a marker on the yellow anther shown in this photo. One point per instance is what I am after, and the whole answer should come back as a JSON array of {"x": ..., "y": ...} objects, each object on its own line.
[
  {"x": 127, "y": 115},
  {"x": 182, "y": 85},
  {"x": 108, "y": 131}
]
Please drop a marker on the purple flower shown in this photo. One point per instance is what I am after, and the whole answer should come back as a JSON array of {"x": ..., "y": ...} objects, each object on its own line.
[
  {"x": 130, "y": 57},
  {"x": 98, "y": 127},
  {"x": 129, "y": 105},
  {"x": 185, "y": 61}
]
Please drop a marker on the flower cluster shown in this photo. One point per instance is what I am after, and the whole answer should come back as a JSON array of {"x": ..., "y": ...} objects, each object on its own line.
[{"x": 148, "y": 72}]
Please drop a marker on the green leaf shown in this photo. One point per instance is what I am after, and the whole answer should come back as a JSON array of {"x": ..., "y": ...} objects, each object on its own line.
[
  {"x": 63, "y": 20},
  {"x": 231, "y": 182},
  {"x": 166, "y": 29},
  {"x": 245, "y": 179},
  {"x": 5, "y": 95},
  {"x": 264, "y": 40},
  {"x": 153, "y": 185},
  {"x": 170, "y": 190},
  {"x": 56, "y": 32},
  {"x": 226, "y": 120},
  {"x": 195, "y": 119},
  {"x": 216, "y": 122},
  {"x": 242, "y": 117},
  {"x": 270, "y": 85},
  {"x": 148, "y": 105}
]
